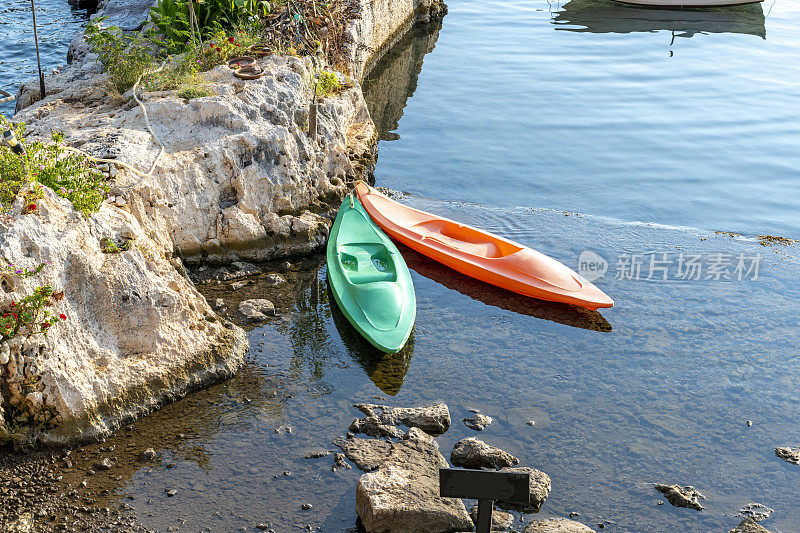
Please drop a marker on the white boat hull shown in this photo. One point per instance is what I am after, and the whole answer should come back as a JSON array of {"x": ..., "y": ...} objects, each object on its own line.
[{"x": 689, "y": 3}]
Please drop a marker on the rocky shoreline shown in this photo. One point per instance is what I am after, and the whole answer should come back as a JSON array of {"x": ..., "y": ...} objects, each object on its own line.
[{"x": 241, "y": 180}]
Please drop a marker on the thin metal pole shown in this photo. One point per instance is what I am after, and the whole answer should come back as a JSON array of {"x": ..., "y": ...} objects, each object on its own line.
[{"x": 36, "y": 38}]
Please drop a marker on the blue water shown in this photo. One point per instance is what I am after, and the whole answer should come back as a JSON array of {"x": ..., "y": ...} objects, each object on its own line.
[
  {"x": 600, "y": 108},
  {"x": 57, "y": 22}
]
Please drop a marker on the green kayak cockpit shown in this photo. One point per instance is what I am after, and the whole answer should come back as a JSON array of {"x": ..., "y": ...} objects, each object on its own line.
[{"x": 369, "y": 279}]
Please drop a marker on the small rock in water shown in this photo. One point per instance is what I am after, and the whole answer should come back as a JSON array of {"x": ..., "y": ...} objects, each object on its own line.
[
  {"x": 262, "y": 527},
  {"x": 219, "y": 303},
  {"x": 171, "y": 492},
  {"x": 105, "y": 464},
  {"x": 574, "y": 514},
  {"x": 749, "y": 423},
  {"x": 316, "y": 454},
  {"x": 306, "y": 506},
  {"x": 474, "y": 453},
  {"x": 148, "y": 455},
  {"x": 681, "y": 496},
  {"x": 274, "y": 279},
  {"x": 531, "y": 422},
  {"x": 557, "y": 525},
  {"x": 790, "y": 455},
  {"x": 756, "y": 511},
  {"x": 339, "y": 462},
  {"x": 256, "y": 309},
  {"x": 478, "y": 422},
  {"x": 236, "y": 285},
  {"x": 748, "y": 525}
]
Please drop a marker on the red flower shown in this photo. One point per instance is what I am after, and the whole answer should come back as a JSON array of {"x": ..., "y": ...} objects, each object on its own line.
[
  {"x": 45, "y": 325},
  {"x": 32, "y": 207},
  {"x": 13, "y": 304},
  {"x": 230, "y": 39},
  {"x": 62, "y": 316}
]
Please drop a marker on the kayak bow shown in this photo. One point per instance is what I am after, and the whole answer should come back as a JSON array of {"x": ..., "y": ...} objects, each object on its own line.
[
  {"x": 369, "y": 279},
  {"x": 480, "y": 254}
]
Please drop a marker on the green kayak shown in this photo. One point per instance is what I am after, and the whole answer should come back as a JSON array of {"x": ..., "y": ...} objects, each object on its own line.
[{"x": 369, "y": 279}]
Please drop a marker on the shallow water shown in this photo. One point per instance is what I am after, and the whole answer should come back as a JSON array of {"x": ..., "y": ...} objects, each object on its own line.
[
  {"x": 658, "y": 389},
  {"x": 57, "y": 22}
]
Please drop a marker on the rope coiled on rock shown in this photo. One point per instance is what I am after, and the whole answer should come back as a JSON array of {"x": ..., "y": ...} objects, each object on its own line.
[{"x": 142, "y": 175}]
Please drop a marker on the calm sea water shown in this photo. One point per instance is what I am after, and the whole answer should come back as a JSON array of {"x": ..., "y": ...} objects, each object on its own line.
[
  {"x": 578, "y": 127},
  {"x": 57, "y": 22},
  {"x": 682, "y": 118}
]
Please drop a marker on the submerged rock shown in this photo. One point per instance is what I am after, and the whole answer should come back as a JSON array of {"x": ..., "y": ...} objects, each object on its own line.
[
  {"x": 478, "y": 422},
  {"x": 756, "y": 511},
  {"x": 474, "y": 453},
  {"x": 256, "y": 310},
  {"x": 339, "y": 462},
  {"x": 748, "y": 525},
  {"x": 790, "y": 455},
  {"x": 433, "y": 419},
  {"x": 681, "y": 496},
  {"x": 557, "y": 525},
  {"x": 402, "y": 495}
]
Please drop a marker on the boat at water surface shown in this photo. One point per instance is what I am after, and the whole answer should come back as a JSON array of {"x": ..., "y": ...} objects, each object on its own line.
[
  {"x": 480, "y": 254},
  {"x": 689, "y": 3},
  {"x": 369, "y": 279}
]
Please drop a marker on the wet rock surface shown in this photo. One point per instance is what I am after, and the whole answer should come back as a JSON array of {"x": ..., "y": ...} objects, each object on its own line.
[
  {"x": 472, "y": 452},
  {"x": 681, "y": 496},
  {"x": 402, "y": 495},
  {"x": 433, "y": 419},
  {"x": 755, "y": 511},
  {"x": 539, "y": 489},
  {"x": 256, "y": 310},
  {"x": 479, "y": 422},
  {"x": 367, "y": 454},
  {"x": 748, "y": 525},
  {"x": 557, "y": 525},
  {"x": 790, "y": 455}
]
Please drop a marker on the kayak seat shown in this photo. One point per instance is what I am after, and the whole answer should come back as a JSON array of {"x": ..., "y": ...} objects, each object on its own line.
[
  {"x": 381, "y": 302},
  {"x": 465, "y": 239},
  {"x": 367, "y": 263}
]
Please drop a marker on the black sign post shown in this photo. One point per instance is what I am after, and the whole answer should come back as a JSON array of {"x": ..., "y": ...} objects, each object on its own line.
[{"x": 487, "y": 487}]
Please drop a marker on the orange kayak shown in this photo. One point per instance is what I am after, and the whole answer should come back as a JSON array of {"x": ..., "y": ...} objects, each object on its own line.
[{"x": 480, "y": 254}]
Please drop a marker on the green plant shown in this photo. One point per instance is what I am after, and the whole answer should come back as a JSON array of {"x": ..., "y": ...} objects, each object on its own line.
[
  {"x": 31, "y": 315},
  {"x": 125, "y": 55},
  {"x": 69, "y": 175},
  {"x": 195, "y": 85},
  {"x": 109, "y": 246},
  {"x": 328, "y": 84},
  {"x": 173, "y": 19}
]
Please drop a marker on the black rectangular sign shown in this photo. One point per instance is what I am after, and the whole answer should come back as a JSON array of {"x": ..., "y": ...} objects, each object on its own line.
[{"x": 509, "y": 487}]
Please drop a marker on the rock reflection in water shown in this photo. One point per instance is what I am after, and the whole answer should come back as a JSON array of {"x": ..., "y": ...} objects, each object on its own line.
[
  {"x": 393, "y": 81},
  {"x": 607, "y": 16}
]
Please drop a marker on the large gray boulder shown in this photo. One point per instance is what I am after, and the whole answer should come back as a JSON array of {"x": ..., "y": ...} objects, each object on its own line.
[
  {"x": 402, "y": 495},
  {"x": 474, "y": 453}
]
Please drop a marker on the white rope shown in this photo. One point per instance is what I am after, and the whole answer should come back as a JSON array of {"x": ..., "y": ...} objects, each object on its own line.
[{"x": 161, "y": 150}]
